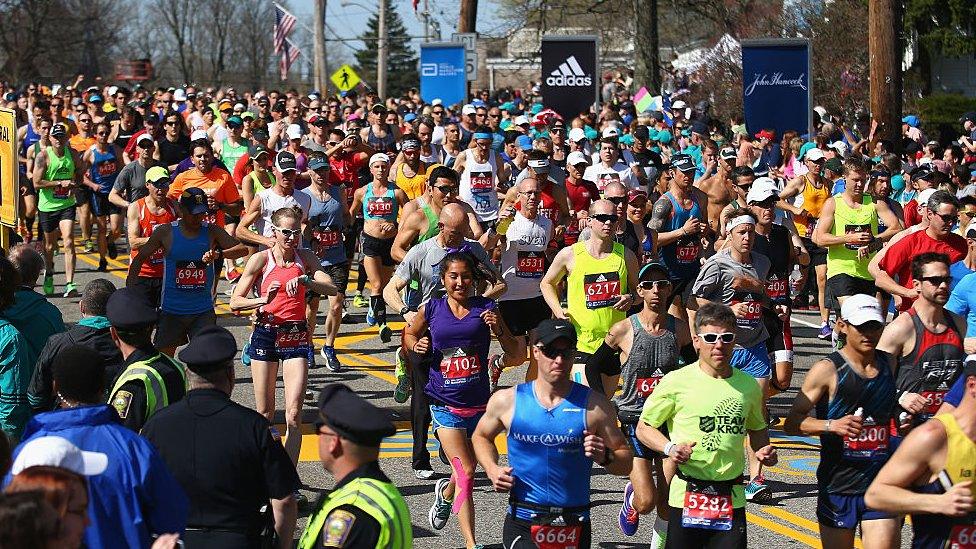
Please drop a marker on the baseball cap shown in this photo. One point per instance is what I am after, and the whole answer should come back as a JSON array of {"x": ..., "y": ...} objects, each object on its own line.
[
  {"x": 814, "y": 155},
  {"x": 225, "y": 104},
  {"x": 838, "y": 146},
  {"x": 577, "y": 134},
  {"x": 197, "y": 135},
  {"x": 642, "y": 133},
  {"x": 539, "y": 166},
  {"x": 524, "y": 142},
  {"x": 612, "y": 131},
  {"x": 235, "y": 122},
  {"x": 699, "y": 127},
  {"x": 521, "y": 120},
  {"x": 158, "y": 176},
  {"x": 762, "y": 188},
  {"x": 194, "y": 201},
  {"x": 179, "y": 95},
  {"x": 683, "y": 162},
  {"x": 728, "y": 153},
  {"x": 968, "y": 117},
  {"x": 922, "y": 199},
  {"x": 59, "y": 130},
  {"x": 551, "y": 329},
  {"x": 285, "y": 162},
  {"x": 59, "y": 452},
  {"x": 911, "y": 120},
  {"x": 860, "y": 309},
  {"x": 294, "y": 131},
  {"x": 378, "y": 108},
  {"x": 679, "y": 104},
  {"x": 144, "y": 137},
  {"x": 576, "y": 158},
  {"x": 379, "y": 157},
  {"x": 646, "y": 270},
  {"x": 835, "y": 165},
  {"x": 922, "y": 171},
  {"x": 634, "y": 194},
  {"x": 468, "y": 109},
  {"x": 318, "y": 162},
  {"x": 95, "y": 99},
  {"x": 255, "y": 150},
  {"x": 765, "y": 134}
]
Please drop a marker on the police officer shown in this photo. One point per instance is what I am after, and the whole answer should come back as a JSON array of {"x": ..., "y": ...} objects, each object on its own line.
[
  {"x": 227, "y": 457},
  {"x": 150, "y": 380},
  {"x": 365, "y": 509}
]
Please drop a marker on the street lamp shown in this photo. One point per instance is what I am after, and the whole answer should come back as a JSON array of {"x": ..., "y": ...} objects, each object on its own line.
[{"x": 381, "y": 46}]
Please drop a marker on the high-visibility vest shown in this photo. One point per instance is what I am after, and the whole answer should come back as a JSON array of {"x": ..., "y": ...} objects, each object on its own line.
[
  {"x": 380, "y": 500},
  {"x": 144, "y": 371}
]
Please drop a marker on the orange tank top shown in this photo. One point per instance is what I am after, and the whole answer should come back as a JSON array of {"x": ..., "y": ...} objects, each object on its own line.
[
  {"x": 153, "y": 266},
  {"x": 813, "y": 202}
]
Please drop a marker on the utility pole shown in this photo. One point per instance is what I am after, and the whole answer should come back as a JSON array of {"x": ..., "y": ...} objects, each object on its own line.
[
  {"x": 318, "y": 41},
  {"x": 884, "y": 54},
  {"x": 382, "y": 47},
  {"x": 647, "y": 62},
  {"x": 469, "y": 16}
]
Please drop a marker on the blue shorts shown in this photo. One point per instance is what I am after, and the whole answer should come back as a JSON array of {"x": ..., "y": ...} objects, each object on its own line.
[
  {"x": 753, "y": 360},
  {"x": 443, "y": 418},
  {"x": 271, "y": 343},
  {"x": 845, "y": 511}
]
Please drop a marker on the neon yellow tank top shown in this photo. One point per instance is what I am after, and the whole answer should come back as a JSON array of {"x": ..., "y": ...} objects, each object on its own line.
[
  {"x": 413, "y": 186},
  {"x": 961, "y": 452},
  {"x": 593, "y": 287},
  {"x": 843, "y": 259}
]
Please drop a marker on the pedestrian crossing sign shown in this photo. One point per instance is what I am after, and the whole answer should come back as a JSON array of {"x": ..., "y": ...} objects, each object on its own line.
[{"x": 345, "y": 78}]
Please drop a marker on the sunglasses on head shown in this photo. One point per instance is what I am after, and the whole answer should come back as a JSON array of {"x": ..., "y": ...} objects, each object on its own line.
[
  {"x": 605, "y": 218},
  {"x": 287, "y": 233},
  {"x": 712, "y": 338},
  {"x": 552, "y": 353}
]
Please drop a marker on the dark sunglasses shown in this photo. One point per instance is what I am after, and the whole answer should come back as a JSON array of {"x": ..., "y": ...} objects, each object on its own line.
[
  {"x": 605, "y": 218},
  {"x": 436, "y": 112},
  {"x": 648, "y": 284},
  {"x": 936, "y": 280},
  {"x": 552, "y": 353},
  {"x": 744, "y": 188},
  {"x": 496, "y": 116},
  {"x": 618, "y": 200},
  {"x": 170, "y": 123},
  {"x": 447, "y": 189},
  {"x": 101, "y": 133},
  {"x": 712, "y": 338},
  {"x": 948, "y": 219},
  {"x": 558, "y": 131}
]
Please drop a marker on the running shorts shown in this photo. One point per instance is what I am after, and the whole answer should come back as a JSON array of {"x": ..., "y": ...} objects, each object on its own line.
[
  {"x": 151, "y": 288},
  {"x": 517, "y": 534},
  {"x": 523, "y": 315},
  {"x": 443, "y": 418},
  {"x": 680, "y": 536},
  {"x": 845, "y": 511},
  {"x": 753, "y": 360},
  {"x": 175, "y": 330},
  {"x": 378, "y": 247},
  {"x": 845, "y": 285},
  {"x": 286, "y": 341},
  {"x": 780, "y": 342},
  {"x": 640, "y": 451},
  {"x": 339, "y": 275},
  {"x": 51, "y": 221},
  {"x": 101, "y": 206},
  {"x": 818, "y": 254}
]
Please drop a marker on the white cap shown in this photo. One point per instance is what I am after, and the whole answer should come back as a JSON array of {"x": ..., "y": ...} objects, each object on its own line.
[
  {"x": 144, "y": 137},
  {"x": 294, "y": 131},
  {"x": 179, "y": 95},
  {"x": 577, "y": 134},
  {"x": 838, "y": 146},
  {"x": 468, "y": 109},
  {"x": 59, "y": 452},
  {"x": 762, "y": 188},
  {"x": 575, "y": 158},
  {"x": 861, "y": 308},
  {"x": 55, "y": 88},
  {"x": 679, "y": 104},
  {"x": 922, "y": 199},
  {"x": 436, "y": 102},
  {"x": 112, "y": 90},
  {"x": 199, "y": 134},
  {"x": 813, "y": 155},
  {"x": 612, "y": 131},
  {"x": 379, "y": 157},
  {"x": 520, "y": 120},
  {"x": 239, "y": 107}
]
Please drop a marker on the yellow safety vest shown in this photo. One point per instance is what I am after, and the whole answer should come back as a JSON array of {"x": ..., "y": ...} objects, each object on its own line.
[{"x": 380, "y": 500}]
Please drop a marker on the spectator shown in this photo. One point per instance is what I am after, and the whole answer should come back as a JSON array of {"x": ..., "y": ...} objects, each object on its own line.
[
  {"x": 92, "y": 331},
  {"x": 27, "y": 521},
  {"x": 15, "y": 367},
  {"x": 31, "y": 313},
  {"x": 136, "y": 496}
]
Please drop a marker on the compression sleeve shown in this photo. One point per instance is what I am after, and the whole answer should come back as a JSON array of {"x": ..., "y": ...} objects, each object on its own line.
[{"x": 604, "y": 361}]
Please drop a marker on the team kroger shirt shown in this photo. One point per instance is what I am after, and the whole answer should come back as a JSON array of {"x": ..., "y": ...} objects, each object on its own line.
[
  {"x": 718, "y": 424},
  {"x": 897, "y": 261}
]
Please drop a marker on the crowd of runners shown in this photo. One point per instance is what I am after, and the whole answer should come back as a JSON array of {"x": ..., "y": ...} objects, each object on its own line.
[{"x": 639, "y": 270}]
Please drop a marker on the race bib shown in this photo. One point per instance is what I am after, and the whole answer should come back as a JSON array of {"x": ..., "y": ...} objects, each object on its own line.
[
  {"x": 776, "y": 288},
  {"x": 482, "y": 182},
  {"x": 211, "y": 218},
  {"x": 325, "y": 239},
  {"x": 379, "y": 206},
  {"x": 707, "y": 506},
  {"x": 751, "y": 318},
  {"x": 106, "y": 168},
  {"x": 571, "y": 236},
  {"x": 459, "y": 364},
  {"x": 851, "y": 229},
  {"x": 871, "y": 443},
  {"x": 61, "y": 192},
  {"x": 546, "y": 536},
  {"x": 645, "y": 385},
  {"x": 191, "y": 275},
  {"x": 933, "y": 401},
  {"x": 687, "y": 251},
  {"x": 530, "y": 264},
  {"x": 157, "y": 257},
  {"x": 606, "y": 179},
  {"x": 963, "y": 536},
  {"x": 291, "y": 334},
  {"x": 601, "y": 289}
]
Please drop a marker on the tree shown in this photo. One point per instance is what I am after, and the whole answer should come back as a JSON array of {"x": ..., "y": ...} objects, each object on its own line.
[
  {"x": 939, "y": 27},
  {"x": 402, "y": 59}
]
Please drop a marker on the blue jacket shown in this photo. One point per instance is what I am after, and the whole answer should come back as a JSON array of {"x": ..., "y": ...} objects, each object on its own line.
[{"x": 136, "y": 496}]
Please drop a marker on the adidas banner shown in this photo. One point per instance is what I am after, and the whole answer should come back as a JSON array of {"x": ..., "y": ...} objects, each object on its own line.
[
  {"x": 776, "y": 91},
  {"x": 442, "y": 72},
  {"x": 570, "y": 74}
]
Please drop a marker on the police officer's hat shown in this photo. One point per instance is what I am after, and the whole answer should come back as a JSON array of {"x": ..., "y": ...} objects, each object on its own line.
[
  {"x": 209, "y": 350},
  {"x": 128, "y": 309},
  {"x": 352, "y": 417}
]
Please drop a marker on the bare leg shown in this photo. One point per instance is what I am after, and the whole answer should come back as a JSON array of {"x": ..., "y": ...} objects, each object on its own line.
[
  {"x": 265, "y": 376},
  {"x": 67, "y": 227},
  {"x": 456, "y": 443},
  {"x": 295, "y": 374}
]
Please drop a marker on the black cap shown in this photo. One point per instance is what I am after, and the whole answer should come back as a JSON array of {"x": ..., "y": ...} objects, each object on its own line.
[
  {"x": 557, "y": 123},
  {"x": 554, "y": 328},
  {"x": 209, "y": 350},
  {"x": 969, "y": 367},
  {"x": 646, "y": 270},
  {"x": 194, "y": 201},
  {"x": 922, "y": 171},
  {"x": 970, "y": 116},
  {"x": 285, "y": 161},
  {"x": 352, "y": 417},
  {"x": 834, "y": 165},
  {"x": 683, "y": 163},
  {"x": 59, "y": 130},
  {"x": 699, "y": 127},
  {"x": 128, "y": 309},
  {"x": 378, "y": 108},
  {"x": 642, "y": 133},
  {"x": 318, "y": 162},
  {"x": 254, "y": 149}
]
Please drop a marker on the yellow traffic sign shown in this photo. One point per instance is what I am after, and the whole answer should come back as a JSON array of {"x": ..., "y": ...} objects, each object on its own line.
[
  {"x": 9, "y": 174},
  {"x": 345, "y": 78}
]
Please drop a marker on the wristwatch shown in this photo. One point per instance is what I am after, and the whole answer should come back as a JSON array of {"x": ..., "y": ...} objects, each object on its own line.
[{"x": 404, "y": 310}]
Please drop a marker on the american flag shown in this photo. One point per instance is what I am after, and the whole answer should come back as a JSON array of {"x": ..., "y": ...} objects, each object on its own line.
[
  {"x": 284, "y": 23},
  {"x": 288, "y": 56}
]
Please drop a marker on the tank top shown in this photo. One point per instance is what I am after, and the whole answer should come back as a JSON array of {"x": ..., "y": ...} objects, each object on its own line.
[
  {"x": 524, "y": 258},
  {"x": 432, "y": 221},
  {"x": 186, "y": 279},
  {"x": 436, "y": 152},
  {"x": 272, "y": 202},
  {"x": 545, "y": 449},
  {"x": 776, "y": 247},
  {"x": 385, "y": 144},
  {"x": 104, "y": 169},
  {"x": 383, "y": 207},
  {"x": 59, "y": 168},
  {"x": 933, "y": 365},
  {"x": 413, "y": 186},
  {"x": 123, "y": 136},
  {"x": 593, "y": 287},
  {"x": 325, "y": 220},
  {"x": 153, "y": 266},
  {"x": 478, "y": 186},
  {"x": 283, "y": 308},
  {"x": 651, "y": 356},
  {"x": 459, "y": 354},
  {"x": 230, "y": 153},
  {"x": 848, "y": 465},
  {"x": 843, "y": 259},
  {"x": 681, "y": 256},
  {"x": 173, "y": 152},
  {"x": 939, "y": 531},
  {"x": 30, "y": 137},
  {"x": 813, "y": 199}
]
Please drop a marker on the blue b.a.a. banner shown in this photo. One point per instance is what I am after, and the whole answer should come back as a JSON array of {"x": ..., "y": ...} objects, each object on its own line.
[
  {"x": 776, "y": 91},
  {"x": 442, "y": 72}
]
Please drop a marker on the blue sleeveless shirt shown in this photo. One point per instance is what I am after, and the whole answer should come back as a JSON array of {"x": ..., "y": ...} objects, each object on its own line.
[{"x": 186, "y": 279}]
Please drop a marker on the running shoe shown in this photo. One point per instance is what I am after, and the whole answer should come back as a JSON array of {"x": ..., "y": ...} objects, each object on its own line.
[
  {"x": 113, "y": 250},
  {"x": 402, "y": 391},
  {"x": 825, "y": 331},
  {"x": 360, "y": 301},
  {"x": 386, "y": 334},
  {"x": 70, "y": 290},
  {"x": 48, "y": 285},
  {"x": 300, "y": 499},
  {"x": 246, "y": 355},
  {"x": 495, "y": 367},
  {"x": 440, "y": 511},
  {"x": 757, "y": 491},
  {"x": 628, "y": 519},
  {"x": 331, "y": 360},
  {"x": 89, "y": 247},
  {"x": 370, "y": 319},
  {"x": 423, "y": 474},
  {"x": 102, "y": 265}
]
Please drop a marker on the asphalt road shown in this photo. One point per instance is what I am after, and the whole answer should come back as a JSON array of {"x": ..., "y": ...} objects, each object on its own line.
[{"x": 789, "y": 521}]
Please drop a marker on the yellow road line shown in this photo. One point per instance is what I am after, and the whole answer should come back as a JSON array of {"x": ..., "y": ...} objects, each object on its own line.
[
  {"x": 784, "y": 531},
  {"x": 782, "y": 471},
  {"x": 802, "y": 522}
]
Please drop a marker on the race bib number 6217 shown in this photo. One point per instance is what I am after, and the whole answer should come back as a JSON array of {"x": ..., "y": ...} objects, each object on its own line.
[{"x": 601, "y": 289}]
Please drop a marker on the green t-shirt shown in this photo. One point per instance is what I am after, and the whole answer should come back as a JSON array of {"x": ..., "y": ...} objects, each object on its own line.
[{"x": 718, "y": 423}]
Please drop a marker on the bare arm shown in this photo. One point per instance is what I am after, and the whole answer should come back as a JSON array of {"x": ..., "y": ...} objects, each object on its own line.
[
  {"x": 492, "y": 423},
  {"x": 391, "y": 294},
  {"x": 252, "y": 270},
  {"x": 550, "y": 281},
  {"x": 134, "y": 229},
  {"x": 230, "y": 246},
  {"x": 242, "y": 230},
  {"x": 892, "y": 223},
  {"x": 822, "y": 235},
  {"x": 318, "y": 280},
  {"x": 884, "y": 281},
  {"x": 601, "y": 421},
  {"x": 815, "y": 385},
  {"x": 155, "y": 242}
]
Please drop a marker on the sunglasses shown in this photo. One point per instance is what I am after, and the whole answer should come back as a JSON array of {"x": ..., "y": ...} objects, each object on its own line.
[
  {"x": 288, "y": 233},
  {"x": 552, "y": 353},
  {"x": 558, "y": 131},
  {"x": 436, "y": 112},
  {"x": 618, "y": 200},
  {"x": 170, "y": 123},
  {"x": 605, "y": 218},
  {"x": 447, "y": 189},
  {"x": 744, "y": 188},
  {"x": 948, "y": 219},
  {"x": 936, "y": 280},
  {"x": 101, "y": 133},
  {"x": 648, "y": 284},
  {"x": 495, "y": 116},
  {"x": 712, "y": 338}
]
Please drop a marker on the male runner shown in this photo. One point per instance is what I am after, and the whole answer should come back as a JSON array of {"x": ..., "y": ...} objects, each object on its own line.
[
  {"x": 281, "y": 195},
  {"x": 550, "y": 484},
  {"x": 143, "y": 216},
  {"x": 104, "y": 161},
  {"x": 720, "y": 187},
  {"x": 853, "y": 392},
  {"x": 482, "y": 174},
  {"x": 223, "y": 197},
  {"x": 580, "y": 192},
  {"x": 409, "y": 171},
  {"x": 610, "y": 167},
  {"x": 742, "y": 180},
  {"x": 709, "y": 408},
  {"x": 57, "y": 173}
]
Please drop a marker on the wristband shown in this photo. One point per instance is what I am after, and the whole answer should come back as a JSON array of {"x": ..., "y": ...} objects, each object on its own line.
[
  {"x": 303, "y": 280},
  {"x": 827, "y": 426},
  {"x": 668, "y": 447}
]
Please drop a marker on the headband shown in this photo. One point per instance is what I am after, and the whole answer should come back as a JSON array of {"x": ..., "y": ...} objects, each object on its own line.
[
  {"x": 482, "y": 135},
  {"x": 741, "y": 220}
]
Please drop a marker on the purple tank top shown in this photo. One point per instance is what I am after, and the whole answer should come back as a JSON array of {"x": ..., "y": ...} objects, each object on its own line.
[{"x": 459, "y": 354}]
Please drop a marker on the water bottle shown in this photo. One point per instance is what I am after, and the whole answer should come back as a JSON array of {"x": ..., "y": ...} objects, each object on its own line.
[{"x": 795, "y": 277}]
